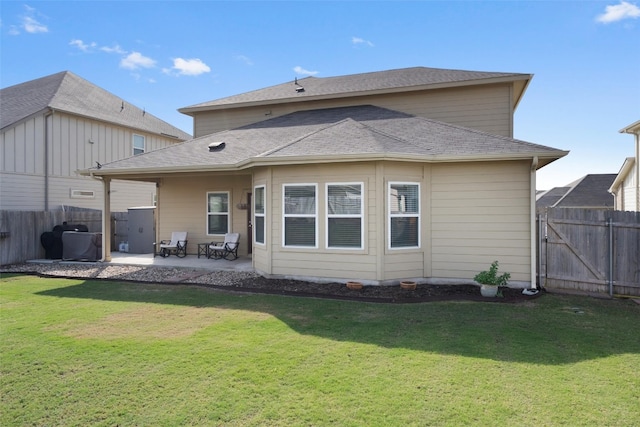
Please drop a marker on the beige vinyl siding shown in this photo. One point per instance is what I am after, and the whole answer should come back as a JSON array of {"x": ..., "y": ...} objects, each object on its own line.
[
  {"x": 487, "y": 108},
  {"x": 321, "y": 262},
  {"x": 405, "y": 263},
  {"x": 74, "y": 143},
  {"x": 261, "y": 254},
  {"x": 480, "y": 213},
  {"x": 182, "y": 206}
]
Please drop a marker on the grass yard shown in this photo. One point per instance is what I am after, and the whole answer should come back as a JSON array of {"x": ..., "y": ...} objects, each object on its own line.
[{"x": 80, "y": 353}]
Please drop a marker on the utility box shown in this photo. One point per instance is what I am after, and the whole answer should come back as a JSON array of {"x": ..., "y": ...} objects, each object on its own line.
[{"x": 142, "y": 229}]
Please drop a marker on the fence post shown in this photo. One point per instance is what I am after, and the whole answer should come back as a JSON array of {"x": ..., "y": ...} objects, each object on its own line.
[{"x": 610, "y": 225}]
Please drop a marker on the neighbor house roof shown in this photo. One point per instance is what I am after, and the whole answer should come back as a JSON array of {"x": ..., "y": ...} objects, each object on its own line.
[
  {"x": 72, "y": 94},
  {"x": 632, "y": 128},
  {"x": 332, "y": 135},
  {"x": 590, "y": 191},
  {"x": 551, "y": 197},
  {"x": 374, "y": 83}
]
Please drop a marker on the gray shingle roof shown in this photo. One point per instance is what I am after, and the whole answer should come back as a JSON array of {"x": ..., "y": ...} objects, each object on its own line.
[
  {"x": 70, "y": 93},
  {"x": 387, "y": 81},
  {"x": 589, "y": 191},
  {"x": 550, "y": 197},
  {"x": 334, "y": 134}
]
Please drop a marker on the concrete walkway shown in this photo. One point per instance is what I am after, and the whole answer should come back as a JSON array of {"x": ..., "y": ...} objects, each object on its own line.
[{"x": 190, "y": 261}]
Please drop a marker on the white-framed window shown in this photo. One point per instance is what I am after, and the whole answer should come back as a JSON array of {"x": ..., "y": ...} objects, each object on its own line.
[
  {"x": 138, "y": 144},
  {"x": 345, "y": 215},
  {"x": 259, "y": 214},
  {"x": 404, "y": 215},
  {"x": 300, "y": 210},
  {"x": 218, "y": 212}
]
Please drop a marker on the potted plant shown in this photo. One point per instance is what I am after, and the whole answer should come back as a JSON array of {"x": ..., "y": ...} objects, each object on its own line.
[
  {"x": 490, "y": 281},
  {"x": 409, "y": 285}
]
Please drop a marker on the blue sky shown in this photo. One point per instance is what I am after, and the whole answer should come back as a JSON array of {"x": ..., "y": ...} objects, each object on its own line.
[{"x": 162, "y": 56}]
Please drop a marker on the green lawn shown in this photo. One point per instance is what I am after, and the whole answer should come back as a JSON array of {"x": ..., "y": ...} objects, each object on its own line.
[{"x": 79, "y": 353}]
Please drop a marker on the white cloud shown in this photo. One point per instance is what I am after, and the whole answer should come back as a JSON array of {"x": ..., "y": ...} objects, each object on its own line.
[
  {"x": 30, "y": 24},
  {"x": 136, "y": 60},
  {"x": 358, "y": 40},
  {"x": 82, "y": 45},
  {"x": 244, "y": 59},
  {"x": 190, "y": 67},
  {"x": 299, "y": 70},
  {"x": 618, "y": 12},
  {"x": 114, "y": 49}
]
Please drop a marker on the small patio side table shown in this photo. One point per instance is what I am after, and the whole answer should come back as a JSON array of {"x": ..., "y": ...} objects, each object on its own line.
[{"x": 203, "y": 249}]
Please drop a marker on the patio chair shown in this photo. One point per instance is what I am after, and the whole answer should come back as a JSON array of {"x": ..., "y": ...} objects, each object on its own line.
[
  {"x": 227, "y": 249},
  {"x": 177, "y": 245}
]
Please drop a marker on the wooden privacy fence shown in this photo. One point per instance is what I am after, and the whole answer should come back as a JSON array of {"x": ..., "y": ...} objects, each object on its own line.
[
  {"x": 590, "y": 250},
  {"x": 20, "y": 231}
]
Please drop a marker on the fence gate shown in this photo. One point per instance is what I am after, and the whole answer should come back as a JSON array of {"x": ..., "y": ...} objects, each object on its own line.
[{"x": 590, "y": 250}]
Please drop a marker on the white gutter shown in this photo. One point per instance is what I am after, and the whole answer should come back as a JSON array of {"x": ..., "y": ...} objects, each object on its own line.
[
  {"x": 296, "y": 160},
  {"x": 46, "y": 157},
  {"x": 532, "y": 203}
]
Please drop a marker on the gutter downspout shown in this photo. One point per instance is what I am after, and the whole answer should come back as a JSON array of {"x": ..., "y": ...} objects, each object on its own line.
[
  {"x": 532, "y": 203},
  {"x": 46, "y": 157},
  {"x": 637, "y": 135}
]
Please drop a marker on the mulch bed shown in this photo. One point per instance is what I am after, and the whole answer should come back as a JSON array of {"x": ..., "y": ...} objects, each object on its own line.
[{"x": 388, "y": 294}]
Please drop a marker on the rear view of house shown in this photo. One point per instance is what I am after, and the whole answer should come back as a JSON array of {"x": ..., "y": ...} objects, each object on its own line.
[{"x": 378, "y": 177}]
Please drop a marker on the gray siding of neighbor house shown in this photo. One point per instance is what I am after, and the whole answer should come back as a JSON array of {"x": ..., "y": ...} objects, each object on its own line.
[
  {"x": 486, "y": 108},
  {"x": 74, "y": 143}
]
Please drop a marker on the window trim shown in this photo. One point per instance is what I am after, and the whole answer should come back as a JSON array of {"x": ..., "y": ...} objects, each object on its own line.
[
  {"x": 133, "y": 144},
  {"x": 417, "y": 215},
  {"x": 285, "y": 215},
  {"x": 328, "y": 216},
  {"x": 228, "y": 213},
  {"x": 262, "y": 215}
]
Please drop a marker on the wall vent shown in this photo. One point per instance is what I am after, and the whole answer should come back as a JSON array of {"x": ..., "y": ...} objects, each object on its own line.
[{"x": 83, "y": 194}]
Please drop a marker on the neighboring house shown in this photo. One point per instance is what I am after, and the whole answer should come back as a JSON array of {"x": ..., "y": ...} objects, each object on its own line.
[
  {"x": 53, "y": 126},
  {"x": 590, "y": 192},
  {"x": 626, "y": 187},
  {"x": 358, "y": 192}
]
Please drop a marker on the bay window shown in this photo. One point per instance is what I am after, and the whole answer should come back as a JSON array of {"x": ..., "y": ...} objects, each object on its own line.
[
  {"x": 345, "y": 215},
  {"x": 404, "y": 215},
  {"x": 300, "y": 212}
]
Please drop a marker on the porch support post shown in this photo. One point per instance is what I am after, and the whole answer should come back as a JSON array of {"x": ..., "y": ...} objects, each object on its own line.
[{"x": 106, "y": 220}]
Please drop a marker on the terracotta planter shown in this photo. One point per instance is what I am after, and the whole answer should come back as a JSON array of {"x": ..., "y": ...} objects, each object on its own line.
[
  {"x": 408, "y": 285},
  {"x": 356, "y": 286}
]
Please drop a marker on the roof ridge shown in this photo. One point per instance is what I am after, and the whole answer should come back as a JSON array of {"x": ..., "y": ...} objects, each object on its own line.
[
  {"x": 54, "y": 93},
  {"x": 305, "y": 136}
]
